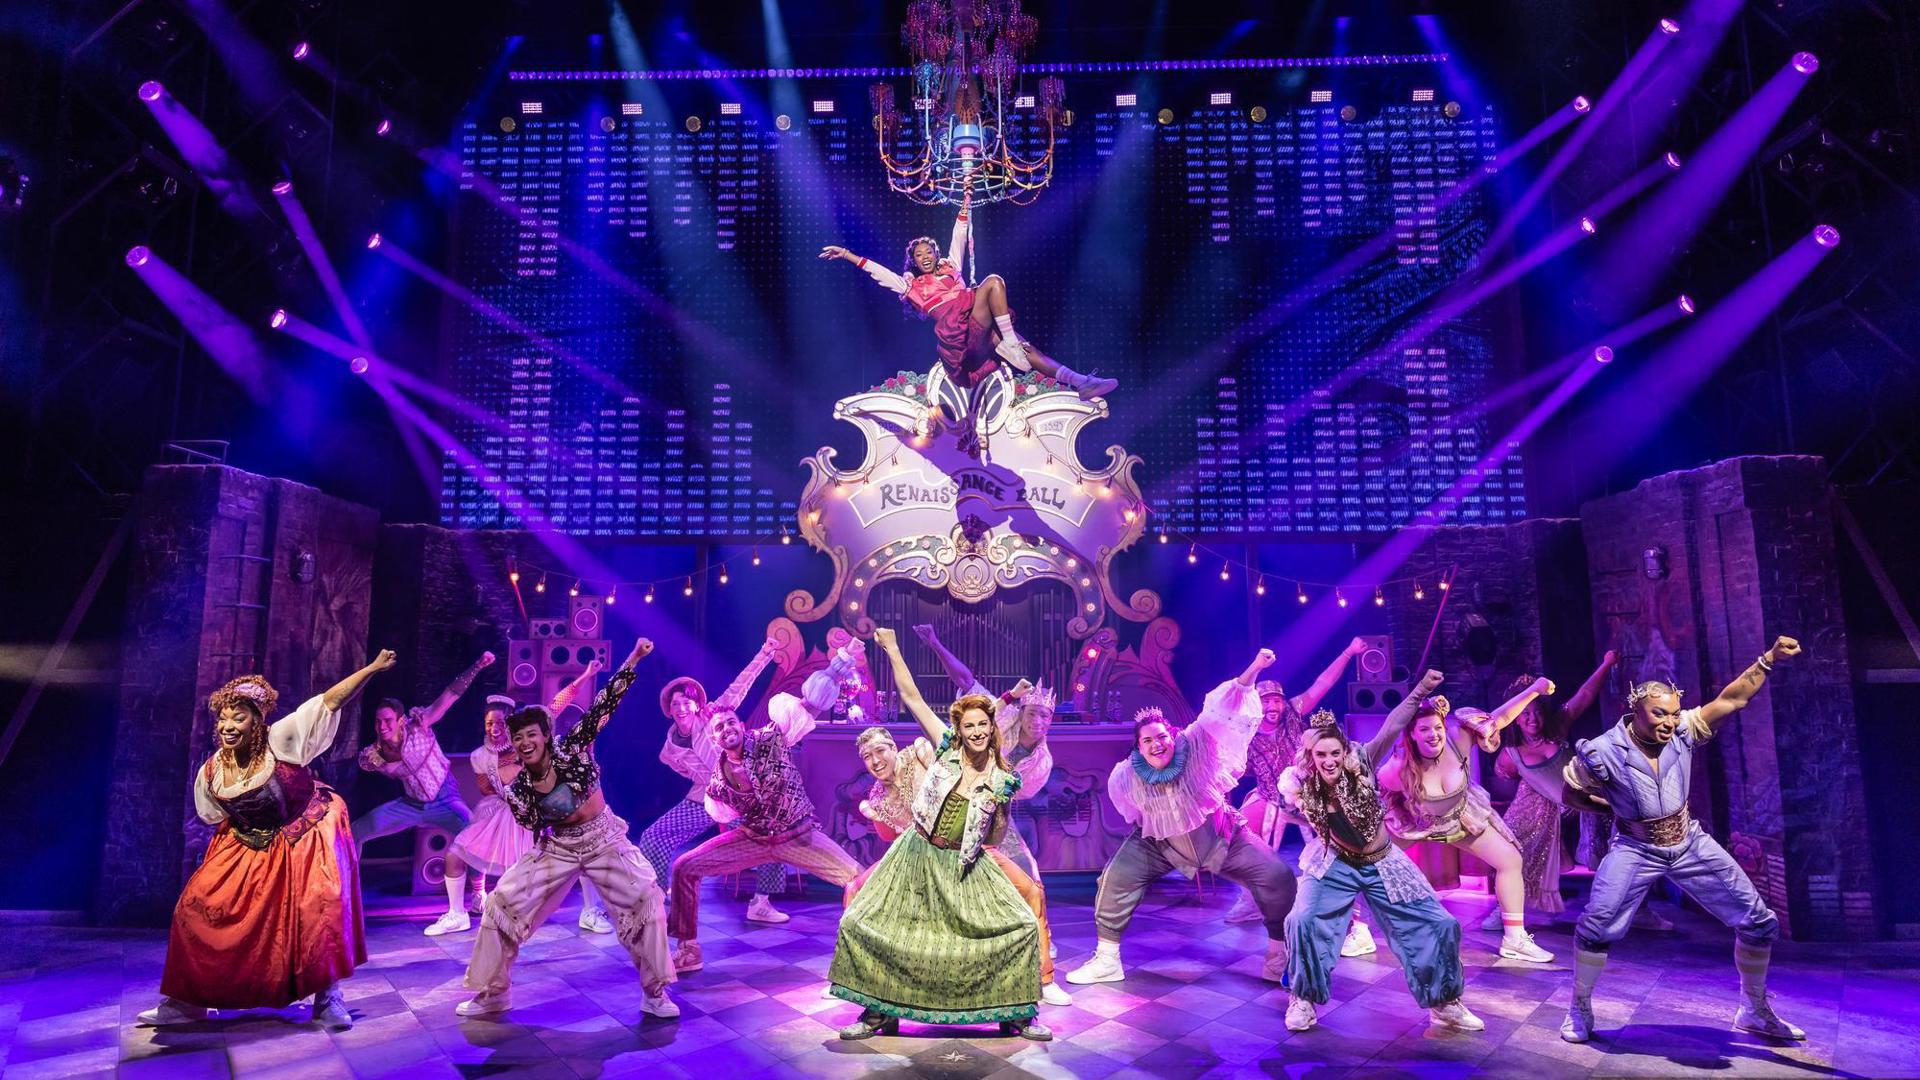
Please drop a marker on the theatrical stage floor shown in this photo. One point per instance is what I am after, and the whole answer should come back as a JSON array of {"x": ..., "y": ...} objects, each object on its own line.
[{"x": 1192, "y": 1005}]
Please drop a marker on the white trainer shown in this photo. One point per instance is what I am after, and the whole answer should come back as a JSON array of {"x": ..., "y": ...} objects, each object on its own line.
[
  {"x": 171, "y": 1011},
  {"x": 1100, "y": 969},
  {"x": 330, "y": 1010},
  {"x": 453, "y": 922},
  {"x": 1014, "y": 351},
  {"x": 761, "y": 910},
  {"x": 484, "y": 1006},
  {"x": 1578, "y": 1026},
  {"x": 1759, "y": 1018},
  {"x": 660, "y": 1005},
  {"x": 1518, "y": 945},
  {"x": 1053, "y": 995},
  {"x": 1359, "y": 940},
  {"x": 1455, "y": 1014},
  {"x": 1300, "y": 1014},
  {"x": 594, "y": 921}
]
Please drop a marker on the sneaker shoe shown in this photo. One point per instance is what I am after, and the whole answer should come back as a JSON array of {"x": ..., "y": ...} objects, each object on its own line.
[
  {"x": 594, "y": 921},
  {"x": 660, "y": 1005},
  {"x": 1578, "y": 1026},
  {"x": 1014, "y": 351},
  {"x": 1053, "y": 995},
  {"x": 760, "y": 909},
  {"x": 1518, "y": 945},
  {"x": 453, "y": 922},
  {"x": 1027, "y": 1029},
  {"x": 1100, "y": 969},
  {"x": 1097, "y": 386},
  {"x": 869, "y": 1025},
  {"x": 1300, "y": 1014},
  {"x": 330, "y": 1010},
  {"x": 477, "y": 903},
  {"x": 1359, "y": 940},
  {"x": 1455, "y": 1014},
  {"x": 1494, "y": 921},
  {"x": 484, "y": 1005},
  {"x": 171, "y": 1011},
  {"x": 1244, "y": 909},
  {"x": 688, "y": 957},
  {"x": 1759, "y": 1018}
]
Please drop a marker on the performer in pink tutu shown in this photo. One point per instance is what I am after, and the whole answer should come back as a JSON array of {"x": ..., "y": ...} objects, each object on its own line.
[{"x": 973, "y": 325}]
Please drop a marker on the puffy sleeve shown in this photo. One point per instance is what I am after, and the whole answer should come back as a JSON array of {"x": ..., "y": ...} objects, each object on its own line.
[
  {"x": 305, "y": 733},
  {"x": 1219, "y": 738},
  {"x": 204, "y": 803},
  {"x": 1125, "y": 790},
  {"x": 957, "y": 244},
  {"x": 1587, "y": 771},
  {"x": 692, "y": 758},
  {"x": 884, "y": 277},
  {"x": 1034, "y": 769},
  {"x": 1692, "y": 728},
  {"x": 790, "y": 716}
]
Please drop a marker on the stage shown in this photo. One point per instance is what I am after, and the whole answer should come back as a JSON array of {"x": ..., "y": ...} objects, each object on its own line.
[{"x": 1192, "y": 1005}]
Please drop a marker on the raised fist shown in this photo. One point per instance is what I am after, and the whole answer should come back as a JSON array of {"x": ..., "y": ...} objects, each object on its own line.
[
  {"x": 486, "y": 659},
  {"x": 1264, "y": 659},
  {"x": 883, "y": 636},
  {"x": 387, "y": 659},
  {"x": 640, "y": 650},
  {"x": 1784, "y": 647},
  {"x": 1431, "y": 681}
]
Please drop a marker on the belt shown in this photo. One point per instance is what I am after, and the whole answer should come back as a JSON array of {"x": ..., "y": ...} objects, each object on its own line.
[
  {"x": 1669, "y": 831},
  {"x": 944, "y": 845}
]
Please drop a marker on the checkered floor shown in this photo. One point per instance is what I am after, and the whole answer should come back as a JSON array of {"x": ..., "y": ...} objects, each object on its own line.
[{"x": 1192, "y": 1005}]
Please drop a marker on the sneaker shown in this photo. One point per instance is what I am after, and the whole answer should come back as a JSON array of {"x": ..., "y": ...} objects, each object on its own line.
[
  {"x": 1759, "y": 1018},
  {"x": 1097, "y": 386},
  {"x": 330, "y": 1010},
  {"x": 869, "y": 1025},
  {"x": 1053, "y": 995},
  {"x": 171, "y": 1011},
  {"x": 660, "y": 1005},
  {"x": 1578, "y": 1026},
  {"x": 484, "y": 1005},
  {"x": 1518, "y": 945},
  {"x": 1014, "y": 351},
  {"x": 453, "y": 922},
  {"x": 594, "y": 921},
  {"x": 761, "y": 909},
  {"x": 1300, "y": 1014},
  {"x": 1359, "y": 940},
  {"x": 1027, "y": 1029},
  {"x": 1244, "y": 909},
  {"x": 688, "y": 957},
  {"x": 1100, "y": 969},
  {"x": 477, "y": 903},
  {"x": 1455, "y": 1014},
  {"x": 1494, "y": 921}
]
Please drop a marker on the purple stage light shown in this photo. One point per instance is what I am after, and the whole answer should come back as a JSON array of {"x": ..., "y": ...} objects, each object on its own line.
[
  {"x": 373, "y": 242},
  {"x": 1686, "y": 304},
  {"x": 278, "y": 319},
  {"x": 283, "y": 187},
  {"x": 151, "y": 90},
  {"x": 1805, "y": 63},
  {"x": 1587, "y": 226},
  {"x": 1581, "y": 104},
  {"x": 301, "y": 49},
  {"x": 1672, "y": 159},
  {"x": 1669, "y": 27},
  {"x": 138, "y": 255},
  {"x": 383, "y": 127},
  {"x": 358, "y": 365},
  {"x": 1603, "y": 354},
  {"x": 1824, "y": 235}
]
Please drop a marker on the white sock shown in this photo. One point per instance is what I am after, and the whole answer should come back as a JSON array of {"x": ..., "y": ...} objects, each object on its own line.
[
  {"x": 1069, "y": 377},
  {"x": 1005, "y": 325},
  {"x": 1586, "y": 972},
  {"x": 457, "y": 892},
  {"x": 1752, "y": 960},
  {"x": 759, "y": 898},
  {"x": 1513, "y": 923},
  {"x": 1107, "y": 949}
]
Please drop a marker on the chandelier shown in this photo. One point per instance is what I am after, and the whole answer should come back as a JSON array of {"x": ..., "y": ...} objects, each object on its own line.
[{"x": 965, "y": 65}]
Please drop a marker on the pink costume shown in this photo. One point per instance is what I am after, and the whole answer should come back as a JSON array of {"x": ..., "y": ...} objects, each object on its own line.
[{"x": 966, "y": 347}]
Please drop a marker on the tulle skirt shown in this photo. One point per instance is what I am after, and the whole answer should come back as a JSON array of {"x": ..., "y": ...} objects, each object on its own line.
[{"x": 493, "y": 841}]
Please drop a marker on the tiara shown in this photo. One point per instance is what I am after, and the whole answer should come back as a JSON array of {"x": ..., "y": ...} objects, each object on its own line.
[
  {"x": 1322, "y": 718},
  {"x": 1151, "y": 712},
  {"x": 1645, "y": 690},
  {"x": 1042, "y": 697}
]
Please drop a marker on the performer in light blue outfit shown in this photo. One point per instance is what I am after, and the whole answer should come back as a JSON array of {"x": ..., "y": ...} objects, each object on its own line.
[
  {"x": 1641, "y": 769},
  {"x": 1333, "y": 790}
]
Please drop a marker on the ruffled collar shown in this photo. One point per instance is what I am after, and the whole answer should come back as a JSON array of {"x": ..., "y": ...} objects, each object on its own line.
[{"x": 1150, "y": 775}]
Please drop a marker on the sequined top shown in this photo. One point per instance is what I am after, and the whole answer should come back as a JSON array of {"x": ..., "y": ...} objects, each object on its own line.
[{"x": 573, "y": 764}]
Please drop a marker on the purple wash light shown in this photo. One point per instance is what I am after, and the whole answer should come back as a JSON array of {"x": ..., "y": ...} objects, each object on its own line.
[
  {"x": 138, "y": 255},
  {"x": 301, "y": 49},
  {"x": 1603, "y": 354},
  {"x": 283, "y": 187},
  {"x": 1587, "y": 226},
  {"x": 1685, "y": 304},
  {"x": 1805, "y": 63},
  {"x": 358, "y": 365},
  {"x": 383, "y": 127},
  {"x": 1672, "y": 159},
  {"x": 278, "y": 319},
  {"x": 1581, "y": 104},
  {"x": 1669, "y": 27},
  {"x": 151, "y": 90},
  {"x": 373, "y": 242},
  {"x": 1824, "y": 235}
]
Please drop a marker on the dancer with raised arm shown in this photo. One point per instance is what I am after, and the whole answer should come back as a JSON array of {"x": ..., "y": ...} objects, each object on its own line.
[
  {"x": 494, "y": 841},
  {"x": 1174, "y": 790},
  {"x": 557, "y": 796},
  {"x": 1642, "y": 769},
  {"x": 760, "y": 801},
  {"x": 272, "y": 913},
  {"x": 939, "y": 934},
  {"x": 688, "y": 750},
  {"x": 973, "y": 325},
  {"x": 1431, "y": 796},
  {"x": 1334, "y": 790}
]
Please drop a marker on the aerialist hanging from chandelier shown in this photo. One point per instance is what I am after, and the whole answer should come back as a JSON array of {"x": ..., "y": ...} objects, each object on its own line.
[{"x": 972, "y": 324}]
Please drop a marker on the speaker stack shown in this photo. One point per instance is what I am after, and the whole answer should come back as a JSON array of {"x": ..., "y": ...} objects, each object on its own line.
[
  {"x": 556, "y": 651},
  {"x": 1377, "y": 685}
]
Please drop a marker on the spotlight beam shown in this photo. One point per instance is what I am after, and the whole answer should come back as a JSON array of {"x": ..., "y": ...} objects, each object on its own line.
[
  {"x": 322, "y": 266},
  {"x": 224, "y": 336}
]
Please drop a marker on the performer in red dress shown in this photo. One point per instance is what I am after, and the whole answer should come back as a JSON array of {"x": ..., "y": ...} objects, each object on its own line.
[
  {"x": 973, "y": 325},
  {"x": 272, "y": 913}
]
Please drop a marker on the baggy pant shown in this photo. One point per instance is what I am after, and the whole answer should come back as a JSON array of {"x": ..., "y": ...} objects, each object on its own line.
[
  {"x": 808, "y": 850},
  {"x": 675, "y": 831},
  {"x": 1240, "y": 858},
  {"x": 1698, "y": 864},
  {"x": 1420, "y": 932},
  {"x": 533, "y": 887},
  {"x": 445, "y": 812}
]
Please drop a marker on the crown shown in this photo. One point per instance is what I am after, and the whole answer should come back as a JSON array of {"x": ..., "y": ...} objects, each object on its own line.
[
  {"x": 1151, "y": 712},
  {"x": 1322, "y": 718},
  {"x": 1645, "y": 690},
  {"x": 1042, "y": 697}
]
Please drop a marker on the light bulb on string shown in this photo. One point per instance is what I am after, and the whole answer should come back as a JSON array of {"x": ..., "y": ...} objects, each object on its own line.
[
  {"x": 723, "y": 573},
  {"x": 610, "y": 597},
  {"x": 513, "y": 572},
  {"x": 1163, "y": 534},
  {"x": 756, "y": 556},
  {"x": 1419, "y": 592},
  {"x": 785, "y": 536},
  {"x": 1223, "y": 571},
  {"x": 649, "y": 594},
  {"x": 1339, "y": 598},
  {"x": 1378, "y": 599},
  {"x": 1260, "y": 586},
  {"x": 541, "y": 585},
  {"x": 688, "y": 589},
  {"x": 1299, "y": 592},
  {"x": 1193, "y": 554},
  {"x": 1445, "y": 585}
]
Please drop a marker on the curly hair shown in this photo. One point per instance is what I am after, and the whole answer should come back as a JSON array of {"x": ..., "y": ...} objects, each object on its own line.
[
  {"x": 909, "y": 271},
  {"x": 252, "y": 691}
]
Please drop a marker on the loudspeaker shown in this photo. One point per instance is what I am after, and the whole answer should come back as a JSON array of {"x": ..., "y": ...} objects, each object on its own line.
[
  {"x": 547, "y": 628},
  {"x": 572, "y": 657},
  {"x": 1375, "y": 697},
  {"x": 1375, "y": 662},
  {"x": 430, "y": 859},
  {"x": 586, "y": 616},
  {"x": 523, "y": 664}
]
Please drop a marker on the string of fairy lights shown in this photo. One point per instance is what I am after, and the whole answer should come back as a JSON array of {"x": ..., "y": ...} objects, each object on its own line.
[{"x": 1231, "y": 569}]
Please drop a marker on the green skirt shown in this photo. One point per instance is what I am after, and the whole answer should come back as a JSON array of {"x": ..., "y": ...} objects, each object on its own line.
[{"x": 925, "y": 941}]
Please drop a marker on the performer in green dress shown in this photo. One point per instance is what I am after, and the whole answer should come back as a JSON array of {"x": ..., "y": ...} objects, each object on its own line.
[{"x": 939, "y": 934}]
